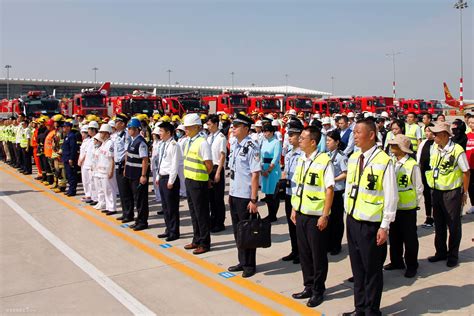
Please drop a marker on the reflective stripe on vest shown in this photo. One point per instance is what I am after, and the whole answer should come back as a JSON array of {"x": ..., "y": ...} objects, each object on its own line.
[
  {"x": 24, "y": 139},
  {"x": 411, "y": 133},
  {"x": 311, "y": 202},
  {"x": 450, "y": 176},
  {"x": 48, "y": 144},
  {"x": 369, "y": 202},
  {"x": 406, "y": 191},
  {"x": 194, "y": 167}
]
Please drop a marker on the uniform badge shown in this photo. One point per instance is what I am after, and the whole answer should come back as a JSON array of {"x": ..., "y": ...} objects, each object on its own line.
[{"x": 257, "y": 157}]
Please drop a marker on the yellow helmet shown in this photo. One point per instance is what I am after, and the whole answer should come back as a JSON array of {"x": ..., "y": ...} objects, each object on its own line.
[
  {"x": 156, "y": 117},
  {"x": 175, "y": 118},
  {"x": 57, "y": 118},
  {"x": 165, "y": 118},
  {"x": 92, "y": 117},
  {"x": 42, "y": 119},
  {"x": 203, "y": 117},
  {"x": 224, "y": 117},
  {"x": 142, "y": 117}
]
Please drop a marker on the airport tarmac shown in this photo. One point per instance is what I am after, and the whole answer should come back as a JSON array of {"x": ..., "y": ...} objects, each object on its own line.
[{"x": 61, "y": 256}]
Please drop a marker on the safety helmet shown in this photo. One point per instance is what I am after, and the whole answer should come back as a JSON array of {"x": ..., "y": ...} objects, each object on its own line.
[
  {"x": 192, "y": 120},
  {"x": 106, "y": 128},
  {"x": 57, "y": 118},
  {"x": 165, "y": 118},
  {"x": 134, "y": 122},
  {"x": 203, "y": 117},
  {"x": 175, "y": 118},
  {"x": 92, "y": 117},
  {"x": 156, "y": 116},
  {"x": 93, "y": 124}
]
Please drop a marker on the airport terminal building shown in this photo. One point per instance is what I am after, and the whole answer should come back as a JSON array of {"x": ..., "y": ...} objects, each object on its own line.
[{"x": 14, "y": 87}]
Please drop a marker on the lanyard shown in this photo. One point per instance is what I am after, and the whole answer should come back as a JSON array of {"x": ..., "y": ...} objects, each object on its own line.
[
  {"x": 441, "y": 157},
  {"x": 190, "y": 142},
  {"x": 307, "y": 170},
  {"x": 162, "y": 153}
]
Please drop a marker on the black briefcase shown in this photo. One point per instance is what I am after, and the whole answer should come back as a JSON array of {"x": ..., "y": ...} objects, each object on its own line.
[
  {"x": 280, "y": 189},
  {"x": 254, "y": 232}
]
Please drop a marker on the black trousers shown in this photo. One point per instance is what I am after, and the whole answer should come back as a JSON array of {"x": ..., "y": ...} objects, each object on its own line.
[
  {"x": 367, "y": 263},
  {"x": 427, "y": 196},
  {"x": 471, "y": 187},
  {"x": 44, "y": 166},
  {"x": 336, "y": 221},
  {"x": 71, "y": 176},
  {"x": 198, "y": 200},
  {"x": 3, "y": 156},
  {"x": 312, "y": 247},
  {"x": 19, "y": 156},
  {"x": 216, "y": 200},
  {"x": 136, "y": 194},
  {"x": 127, "y": 204},
  {"x": 170, "y": 205},
  {"x": 273, "y": 204},
  {"x": 239, "y": 212},
  {"x": 26, "y": 153},
  {"x": 447, "y": 212},
  {"x": 12, "y": 150},
  {"x": 403, "y": 233},
  {"x": 291, "y": 225}
]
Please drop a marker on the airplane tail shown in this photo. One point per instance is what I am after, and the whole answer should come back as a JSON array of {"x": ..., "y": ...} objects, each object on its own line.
[
  {"x": 447, "y": 93},
  {"x": 105, "y": 88}
]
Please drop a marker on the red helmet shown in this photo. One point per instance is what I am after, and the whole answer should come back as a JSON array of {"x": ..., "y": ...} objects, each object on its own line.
[{"x": 50, "y": 123}]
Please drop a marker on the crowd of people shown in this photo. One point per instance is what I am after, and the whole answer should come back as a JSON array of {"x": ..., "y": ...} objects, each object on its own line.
[{"x": 375, "y": 168}]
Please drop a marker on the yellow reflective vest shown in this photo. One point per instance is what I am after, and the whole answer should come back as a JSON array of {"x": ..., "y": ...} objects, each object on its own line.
[
  {"x": 410, "y": 132},
  {"x": 310, "y": 187},
  {"x": 194, "y": 167},
  {"x": 407, "y": 199},
  {"x": 450, "y": 176},
  {"x": 368, "y": 203}
]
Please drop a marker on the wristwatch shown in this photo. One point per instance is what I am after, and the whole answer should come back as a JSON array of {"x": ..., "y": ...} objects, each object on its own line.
[{"x": 254, "y": 201}]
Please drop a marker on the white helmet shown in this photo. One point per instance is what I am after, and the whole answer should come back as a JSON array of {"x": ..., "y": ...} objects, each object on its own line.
[
  {"x": 316, "y": 116},
  {"x": 106, "y": 128},
  {"x": 98, "y": 137},
  {"x": 93, "y": 124},
  {"x": 292, "y": 112},
  {"x": 111, "y": 123},
  {"x": 156, "y": 130},
  {"x": 351, "y": 115},
  {"x": 180, "y": 127},
  {"x": 326, "y": 120},
  {"x": 84, "y": 128},
  {"x": 384, "y": 114},
  {"x": 275, "y": 123},
  {"x": 258, "y": 123},
  {"x": 192, "y": 119}
]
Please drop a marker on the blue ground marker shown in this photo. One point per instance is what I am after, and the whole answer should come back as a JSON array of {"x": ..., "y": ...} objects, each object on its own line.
[
  {"x": 166, "y": 246},
  {"x": 226, "y": 275},
  {"x": 124, "y": 225}
]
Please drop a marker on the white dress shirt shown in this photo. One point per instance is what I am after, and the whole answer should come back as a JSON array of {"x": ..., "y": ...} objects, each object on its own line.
[
  {"x": 204, "y": 150},
  {"x": 218, "y": 144},
  {"x": 462, "y": 160},
  {"x": 168, "y": 159}
]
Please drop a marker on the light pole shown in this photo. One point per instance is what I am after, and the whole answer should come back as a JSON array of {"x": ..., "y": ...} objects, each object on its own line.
[
  {"x": 460, "y": 5},
  {"x": 393, "y": 54},
  {"x": 332, "y": 84},
  {"x": 95, "y": 74},
  {"x": 232, "y": 74},
  {"x": 7, "y": 67},
  {"x": 169, "y": 71},
  {"x": 286, "y": 83}
]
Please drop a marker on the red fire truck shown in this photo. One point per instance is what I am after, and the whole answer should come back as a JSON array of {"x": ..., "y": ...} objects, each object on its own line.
[
  {"x": 411, "y": 105},
  {"x": 435, "y": 107},
  {"x": 178, "y": 104},
  {"x": 265, "y": 103},
  {"x": 229, "y": 103},
  {"x": 34, "y": 104},
  {"x": 137, "y": 102},
  {"x": 299, "y": 104},
  {"x": 90, "y": 101},
  {"x": 371, "y": 104}
]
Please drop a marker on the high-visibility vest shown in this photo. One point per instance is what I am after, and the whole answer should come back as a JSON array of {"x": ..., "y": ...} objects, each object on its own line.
[
  {"x": 311, "y": 184},
  {"x": 194, "y": 167},
  {"x": 450, "y": 175},
  {"x": 410, "y": 132},
  {"x": 24, "y": 139},
  {"x": 34, "y": 138},
  {"x": 48, "y": 144},
  {"x": 369, "y": 203},
  {"x": 406, "y": 190}
]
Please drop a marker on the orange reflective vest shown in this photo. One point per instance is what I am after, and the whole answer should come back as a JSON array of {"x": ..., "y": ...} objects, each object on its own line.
[
  {"x": 34, "y": 138},
  {"x": 48, "y": 143}
]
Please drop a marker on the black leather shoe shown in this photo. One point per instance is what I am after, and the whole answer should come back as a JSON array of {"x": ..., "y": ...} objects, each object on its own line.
[
  {"x": 111, "y": 213},
  {"x": 437, "y": 258},
  {"x": 140, "y": 227},
  {"x": 104, "y": 211},
  {"x": 160, "y": 213},
  {"x": 315, "y": 300},
  {"x": 171, "y": 238},
  {"x": 235, "y": 268},
  {"x": 248, "y": 273},
  {"x": 93, "y": 203},
  {"x": 307, "y": 293},
  {"x": 452, "y": 263},
  {"x": 354, "y": 313},
  {"x": 335, "y": 252},
  {"x": 127, "y": 220},
  {"x": 162, "y": 235},
  {"x": 132, "y": 225},
  {"x": 410, "y": 273},
  {"x": 351, "y": 279},
  {"x": 120, "y": 218},
  {"x": 296, "y": 260},
  {"x": 391, "y": 266},
  {"x": 290, "y": 257}
]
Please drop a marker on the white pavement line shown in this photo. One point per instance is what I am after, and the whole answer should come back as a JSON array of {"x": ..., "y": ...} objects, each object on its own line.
[{"x": 125, "y": 298}]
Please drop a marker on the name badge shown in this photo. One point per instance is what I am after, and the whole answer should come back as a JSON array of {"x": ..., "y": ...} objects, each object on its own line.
[
  {"x": 299, "y": 190},
  {"x": 354, "y": 191},
  {"x": 435, "y": 173},
  {"x": 232, "y": 174},
  {"x": 288, "y": 183}
]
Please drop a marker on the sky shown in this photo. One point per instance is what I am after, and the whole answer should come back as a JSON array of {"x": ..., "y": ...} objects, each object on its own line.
[{"x": 204, "y": 41}]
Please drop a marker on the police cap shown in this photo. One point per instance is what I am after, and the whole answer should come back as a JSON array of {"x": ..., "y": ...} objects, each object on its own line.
[
  {"x": 242, "y": 119},
  {"x": 294, "y": 126},
  {"x": 121, "y": 117}
]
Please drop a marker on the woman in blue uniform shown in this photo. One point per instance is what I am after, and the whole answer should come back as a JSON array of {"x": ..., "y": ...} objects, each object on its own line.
[{"x": 271, "y": 170}]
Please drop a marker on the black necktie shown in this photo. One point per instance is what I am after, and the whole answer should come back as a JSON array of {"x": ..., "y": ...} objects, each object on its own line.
[{"x": 361, "y": 165}]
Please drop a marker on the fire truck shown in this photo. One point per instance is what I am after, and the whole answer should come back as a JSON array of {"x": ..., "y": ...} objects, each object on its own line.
[
  {"x": 265, "y": 103},
  {"x": 34, "y": 104},
  {"x": 371, "y": 104},
  {"x": 179, "y": 104},
  {"x": 435, "y": 107},
  {"x": 229, "y": 103},
  {"x": 411, "y": 105},
  {"x": 137, "y": 102},
  {"x": 90, "y": 101},
  {"x": 299, "y": 104}
]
